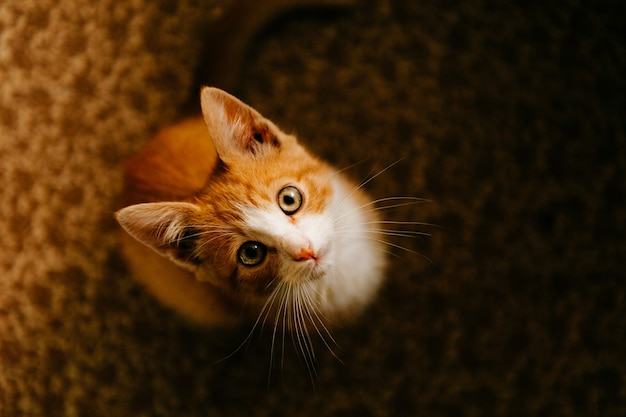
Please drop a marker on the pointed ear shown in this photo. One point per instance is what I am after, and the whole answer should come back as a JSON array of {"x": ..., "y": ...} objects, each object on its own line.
[
  {"x": 167, "y": 228},
  {"x": 237, "y": 130}
]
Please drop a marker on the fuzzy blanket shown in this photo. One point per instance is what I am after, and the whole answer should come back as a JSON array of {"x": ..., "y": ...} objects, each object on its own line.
[{"x": 510, "y": 118}]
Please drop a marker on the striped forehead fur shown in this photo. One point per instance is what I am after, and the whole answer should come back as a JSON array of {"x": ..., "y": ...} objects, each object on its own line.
[{"x": 258, "y": 183}]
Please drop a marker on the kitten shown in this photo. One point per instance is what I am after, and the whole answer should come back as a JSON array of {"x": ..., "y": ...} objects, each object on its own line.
[{"x": 230, "y": 219}]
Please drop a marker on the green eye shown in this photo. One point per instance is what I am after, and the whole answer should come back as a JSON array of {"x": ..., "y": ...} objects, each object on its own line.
[
  {"x": 289, "y": 199},
  {"x": 251, "y": 253}
]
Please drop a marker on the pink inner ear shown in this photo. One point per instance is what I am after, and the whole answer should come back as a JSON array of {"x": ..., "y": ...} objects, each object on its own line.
[
  {"x": 237, "y": 129},
  {"x": 250, "y": 135},
  {"x": 235, "y": 112}
]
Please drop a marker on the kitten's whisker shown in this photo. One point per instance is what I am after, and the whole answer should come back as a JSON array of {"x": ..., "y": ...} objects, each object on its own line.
[
  {"x": 301, "y": 305},
  {"x": 352, "y": 165},
  {"x": 287, "y": 317},
  {"x": 313, "y": 310},
  {"x": 219, "y": 248},
  {"x": 281, "y": 305},
  {"x": 375, "y": 230},
  {"x": 391, "y": 253},
  {"x": 177, "y": 236},
  {"x": 390, "y": 206},
  {"x": 412, "y": 200},
  {"x": 269, "y": 284},
  {"x": 206, "y": 243},
  {"x": 406, "y": 250},
  {"x": 358, "y": 187},
  {"x": 302, "y": 335},
  {"x": 400, "y": 197},
  {"x": 269, "y": 303},
  {"x": 375, "y": 235},
  {"x": 370, "y": 179},
  {"x": 201, "y": 229},
  {"x": 264, "y": 312},
  {"x": 383, "y": 249},
  {"x": 404, "y": 233},
  {"x": 406, "y": 223}
]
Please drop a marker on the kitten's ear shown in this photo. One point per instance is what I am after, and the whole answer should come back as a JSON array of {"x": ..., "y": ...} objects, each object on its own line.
[
  {"x": 167, "y": 228},
  {"x": 237, "y": 130}
]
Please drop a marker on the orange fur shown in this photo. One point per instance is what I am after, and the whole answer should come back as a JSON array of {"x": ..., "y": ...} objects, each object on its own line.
[
  {"x": 173, "y": 166},
  {"x": 203, "y": 189}
]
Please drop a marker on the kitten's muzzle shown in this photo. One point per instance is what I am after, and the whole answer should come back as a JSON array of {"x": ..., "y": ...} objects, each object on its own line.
[
  {"x": 305, "y": 255},
  {"x": 299, "y": 249}
]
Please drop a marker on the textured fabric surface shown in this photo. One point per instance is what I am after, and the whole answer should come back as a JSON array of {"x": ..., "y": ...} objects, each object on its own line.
[{"x": 510, "y": 118}]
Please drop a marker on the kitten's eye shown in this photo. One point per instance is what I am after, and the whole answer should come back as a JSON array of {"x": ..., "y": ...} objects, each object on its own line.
[
  {"x": 289, "y": 199},
  {"x": 251, "y": 253}
]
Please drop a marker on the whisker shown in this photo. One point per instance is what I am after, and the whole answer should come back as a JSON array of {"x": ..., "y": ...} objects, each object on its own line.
[
  {"x": 269, "y": 303},
  {"x": 300, "y": 305},
  {"x": 302, "y": 335},
  {"x": 406, "y": 223},
  {"x": 376, "y": 234},
  {"x": 407, "y": 250},
  {"x": 390, "y": 206},
  {"x": 411, "y": 201},
  {"x": 273, "y": 347},
  {"x": 201, "y": 229},
  {"x": 218, "y": 250},
  {"x": 352, "y": 165},
  {"x": 409, "y": 234},
  {"x": 269, "y": 284},
  {"x": 362, "y": 184},
  {"x": 206, "y": 243},
  {"x": 313, "y": 310},
  {"x": 264, "y": 312},
  {"x": 403, "y": 233},
  {"x": 376, "y": 229},
  {"x": 372, "y": 237},
  {"x": 399, "y": 197}
]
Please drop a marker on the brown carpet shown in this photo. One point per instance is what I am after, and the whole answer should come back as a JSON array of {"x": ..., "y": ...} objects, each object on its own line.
[{"x": 510, "y": 117}]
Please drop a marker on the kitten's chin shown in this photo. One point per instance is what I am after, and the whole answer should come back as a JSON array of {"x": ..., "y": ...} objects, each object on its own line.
[
  {"x": 306, "y": 272},
  {"x": 317, "y": 273}
]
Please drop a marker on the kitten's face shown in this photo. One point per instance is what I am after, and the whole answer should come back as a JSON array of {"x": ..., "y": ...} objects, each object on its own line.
[
  {"x": 272, "y": 223},
  {"x": 266, "y": 222}
]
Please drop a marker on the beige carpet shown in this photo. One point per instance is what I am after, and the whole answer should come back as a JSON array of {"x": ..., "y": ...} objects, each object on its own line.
[{"x": 509, "y": 117}]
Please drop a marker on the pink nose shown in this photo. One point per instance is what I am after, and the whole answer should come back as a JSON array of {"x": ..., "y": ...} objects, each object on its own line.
[{"x": 305, "y": 255}]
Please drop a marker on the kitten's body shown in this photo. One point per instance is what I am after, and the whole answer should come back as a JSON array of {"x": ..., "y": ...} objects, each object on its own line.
[{"x": 231, "y": 189}]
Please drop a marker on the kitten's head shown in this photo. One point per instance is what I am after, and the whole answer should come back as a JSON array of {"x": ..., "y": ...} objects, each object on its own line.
[{"x": 271, "y": 220}]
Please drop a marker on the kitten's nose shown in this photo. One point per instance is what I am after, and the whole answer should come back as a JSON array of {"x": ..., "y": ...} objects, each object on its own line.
[{"x": 305, "y": 255}]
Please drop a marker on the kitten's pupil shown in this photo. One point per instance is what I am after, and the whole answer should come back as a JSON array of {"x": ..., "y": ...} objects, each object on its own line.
[
  {"x": 288, "y": 200},
  {"x": 250, "y": 252}
]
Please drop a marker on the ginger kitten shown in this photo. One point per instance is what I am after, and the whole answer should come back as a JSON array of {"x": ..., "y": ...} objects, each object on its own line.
[{"x": 230, "y": 219}]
